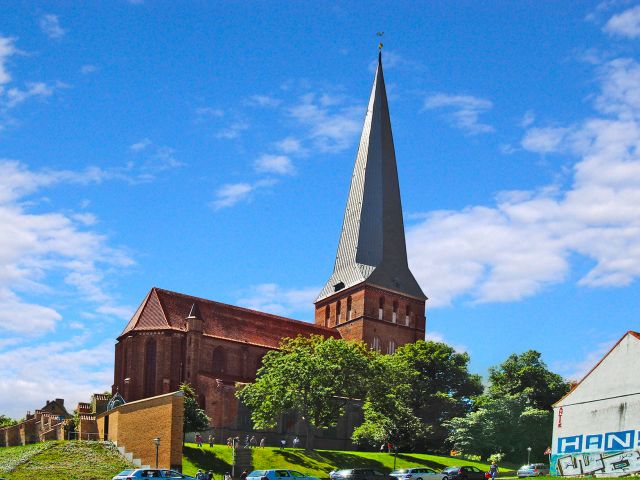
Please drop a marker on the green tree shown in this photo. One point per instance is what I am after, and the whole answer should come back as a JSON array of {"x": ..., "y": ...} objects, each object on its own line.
[
  {"x": 312, "y": 376},
  {"x": 420, "y": 386},
  {"x": 7, "y": 421},
  {"x": 514, "y": 414},
  {"x": 194, "y": 417}
]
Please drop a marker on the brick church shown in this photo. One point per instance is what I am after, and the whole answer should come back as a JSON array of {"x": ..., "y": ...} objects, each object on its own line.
[{"x": 371, "y": 296}]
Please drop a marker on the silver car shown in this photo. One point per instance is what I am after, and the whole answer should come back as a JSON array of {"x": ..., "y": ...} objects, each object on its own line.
[
  {"x": 533, "y": 470},
  {"x": 278, "y": 475},
  {"x": 417, "y": 473},
  {"x": 139, "y": 473}
]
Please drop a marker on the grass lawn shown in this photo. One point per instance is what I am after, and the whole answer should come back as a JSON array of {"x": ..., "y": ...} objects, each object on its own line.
[
  {"x": 317, "y": 463},
  {"x": 61, "y": 460}
]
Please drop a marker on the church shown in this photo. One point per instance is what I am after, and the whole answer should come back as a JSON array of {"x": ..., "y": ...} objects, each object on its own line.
[{"x": 371, "y": 296}]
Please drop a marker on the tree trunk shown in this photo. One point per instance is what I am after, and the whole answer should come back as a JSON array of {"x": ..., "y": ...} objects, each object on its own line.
[{"x": 309, "y": 445}]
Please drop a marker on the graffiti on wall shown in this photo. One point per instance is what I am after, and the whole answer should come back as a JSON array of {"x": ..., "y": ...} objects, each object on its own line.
[{"x": 597, "y": 463}]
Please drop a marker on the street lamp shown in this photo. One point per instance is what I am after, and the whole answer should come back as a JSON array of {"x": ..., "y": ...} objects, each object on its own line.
[
  {"x": 528, "y": 455},
  {"x": 157, "y": 442}
]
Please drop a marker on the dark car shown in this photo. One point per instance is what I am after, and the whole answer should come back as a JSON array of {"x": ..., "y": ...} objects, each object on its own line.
[
  {"x": 465, "y": 472},
  {"x": 359, "y": 474}
]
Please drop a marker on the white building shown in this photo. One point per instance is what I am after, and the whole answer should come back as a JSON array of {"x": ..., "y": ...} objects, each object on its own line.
[{"x": 596, "y": 428}]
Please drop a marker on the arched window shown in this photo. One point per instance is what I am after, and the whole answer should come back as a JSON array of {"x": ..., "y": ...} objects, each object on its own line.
[
  {"x": 392, "y": 347},
  {"x": 348, "y": 309},
  {"x": 327, "y": 315},
  {"x": 381, "y": 308},
  {"x": 219, "y": 360},
  {"x": 338, "y": 312},
  {"x": 407, "y": 317},
  {"x": 375, "y": 345},
  {"x": 150, "y": 368},
  {"x": 394, "y": 315}
]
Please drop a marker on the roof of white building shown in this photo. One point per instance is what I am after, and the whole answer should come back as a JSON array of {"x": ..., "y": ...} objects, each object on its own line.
[{"x": 615, "y": 375}]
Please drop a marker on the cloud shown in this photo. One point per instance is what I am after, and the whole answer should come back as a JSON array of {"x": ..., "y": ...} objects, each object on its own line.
[
  {"x": 232, "y": 131},
  {"x": 278, "y": 164},
  {"x": 262, "y": 101},
  {"x": 291, "y": 146},
  {"x": 275, "y": 299},
  {"x": 464, "y": 111},
  {"x": 7, "y": 50},
  {"x": 50, "y": 26},
  {"x": 526, "y": 241},
  {"x": 87, "y": 69},
  {"x": 15, "y": 96},
  {"x": 204, "y": 112},
  {"x": 625, "y": 24},
  {"x": 141, "y": 145},
  {"x": 230, "y": 194},
  {"x": 439, "y": 337},
  {"x": 332, "y": 128}
]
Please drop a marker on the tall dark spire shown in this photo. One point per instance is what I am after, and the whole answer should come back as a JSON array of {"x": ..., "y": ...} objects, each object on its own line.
[{"x": 372, "y": 246}]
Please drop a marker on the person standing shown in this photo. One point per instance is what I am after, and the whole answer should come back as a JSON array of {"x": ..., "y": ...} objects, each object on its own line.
[
  {"x": 283, "y": 443},
  {"x": 243, "y": 475},
  {"x": 263, "y": 442},
  {"x": 296, "y": 442},
  {"x": 493, "y": 470},
  {"x": 211, "y": 440}
]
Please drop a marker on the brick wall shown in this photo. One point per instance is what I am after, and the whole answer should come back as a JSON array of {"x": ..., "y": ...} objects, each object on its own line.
[{"x": 134, "y": 425}]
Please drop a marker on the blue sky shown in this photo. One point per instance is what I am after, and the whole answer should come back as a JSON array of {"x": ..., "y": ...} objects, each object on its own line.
[{"x": 207, "y": 148}]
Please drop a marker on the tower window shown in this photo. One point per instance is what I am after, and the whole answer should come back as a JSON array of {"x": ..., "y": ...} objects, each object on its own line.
[
  {"x": 327, "y": 315},
  {"x": 348, "y": 309},
  {"x": 394, "y": 316},
  {"x": 407, "y": 316},
  {"x": 392, "y": 347},
  {"x": 375, "y": 345},
  {"x": 338, "y": 312},
  {"x": 338, "y": 286},
  {"x": 381, "y": 309}
]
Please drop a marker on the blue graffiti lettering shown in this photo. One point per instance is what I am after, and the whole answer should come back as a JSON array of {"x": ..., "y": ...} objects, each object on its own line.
[
  {"x": 618, "y": 440},
  {"x": 593, "y": 442}
]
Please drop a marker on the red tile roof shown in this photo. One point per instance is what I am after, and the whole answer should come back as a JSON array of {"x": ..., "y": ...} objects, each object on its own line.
[{"x": 166, "y": 310}]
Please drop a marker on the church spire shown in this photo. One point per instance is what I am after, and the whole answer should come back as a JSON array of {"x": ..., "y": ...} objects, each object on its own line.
[{"x": 372, "y": 245}]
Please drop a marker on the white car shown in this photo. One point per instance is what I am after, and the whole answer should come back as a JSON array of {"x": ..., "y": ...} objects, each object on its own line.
[
  {"x": 140, "y": 473},
  {"x": 278, "y": 475},
  {"x": 417, "y": 473}
]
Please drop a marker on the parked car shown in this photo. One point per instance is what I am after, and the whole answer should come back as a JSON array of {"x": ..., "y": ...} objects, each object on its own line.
[
  {"x": 465, "y": 472},
  {"x": 359, "y": 474},
  {"x": 278, "y": 475},
  {"x": 533, "y": 470},
  {"x": 135, "y": 474},
  {"x": 417, "y": 473}
]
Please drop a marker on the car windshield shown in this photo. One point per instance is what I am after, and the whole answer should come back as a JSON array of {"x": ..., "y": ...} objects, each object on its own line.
[
  {"x": 526, "y": 467},
  {"x": 404, "y": 470},
  {"x": 450, "y": 469},
  {"x": 344, "y": 472},
  {"x": 257, "y": 473},
  {"x": 124, "y": 473}
]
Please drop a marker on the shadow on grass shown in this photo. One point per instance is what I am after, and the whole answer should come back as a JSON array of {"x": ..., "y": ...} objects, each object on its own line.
[
  {"x": 205, "y": 459},
  {"x": 422, "y": 461}
]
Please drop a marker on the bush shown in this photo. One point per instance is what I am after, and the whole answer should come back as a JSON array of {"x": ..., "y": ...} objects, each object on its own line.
[{"x": 496, "y": 457}]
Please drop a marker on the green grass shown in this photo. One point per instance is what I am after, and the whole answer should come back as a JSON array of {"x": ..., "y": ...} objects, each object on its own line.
[
  {"x": 61, "y": 460},
  {"x": 317, "y": 463}
]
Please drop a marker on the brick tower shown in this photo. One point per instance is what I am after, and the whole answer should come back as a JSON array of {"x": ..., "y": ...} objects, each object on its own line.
[{"x": 372, "y": 295}]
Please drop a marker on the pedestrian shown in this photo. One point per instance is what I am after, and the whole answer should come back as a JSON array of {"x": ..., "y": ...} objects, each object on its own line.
[
  {"x": 283, "y": 443},
  {"x": 243, "y": 475},
  {"x": 211, "y": 438},
  {"x": 199, "y": 475},
  {"x": 382, "y": 448},
  {"x": 199, "y": 439},
  {"x": 253, "y": 442},
  {"x": 296, "y": 442},
  {"x": 227, "y": 476},
  {"x": 263, "y": 442},
  {"x": 210, "y": 475},
  {"x": 493, "y": 470}
]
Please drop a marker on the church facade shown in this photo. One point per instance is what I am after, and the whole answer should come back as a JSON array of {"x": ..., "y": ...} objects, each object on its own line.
[{"x": 371, "y": 296}]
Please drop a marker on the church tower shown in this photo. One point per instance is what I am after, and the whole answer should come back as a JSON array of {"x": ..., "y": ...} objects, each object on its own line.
[{"x": 372, "y": 295}]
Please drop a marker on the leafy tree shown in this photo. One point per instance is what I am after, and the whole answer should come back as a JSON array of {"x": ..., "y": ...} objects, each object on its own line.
[
  {"x": 7, "y": 421},
  {"x": 526, "y": 375},
  {"x": 194, "y": 417},
  {"x": 515, "y": 413},
  {"x": 421, "y": 386},
  {"x": 312, "y": 376}
]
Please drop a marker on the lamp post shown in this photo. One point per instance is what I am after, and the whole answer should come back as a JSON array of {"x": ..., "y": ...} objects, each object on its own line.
[
  {"x": 157, "y": 442},
  {"x": 528, "y": 455}
]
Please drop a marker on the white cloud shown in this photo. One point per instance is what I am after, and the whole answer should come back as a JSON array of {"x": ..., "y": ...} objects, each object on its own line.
[
  {"x": 87, "y": 69},
  {"x": 7, "y": 50},
  {"x": 527, "y": 119},
  {"x": 331, "y": 130},
  {"x": 15, "y": 96},
  {"x": 50, "y": 25},
  {"x": 278, "y": 164},
  {"x": 232, "y": 193},
  {"x": 625, "y": 24},
  {"x": 232, "y": 131},
  {"x": 439, "y": 337},
  {"x": 141, "y": 145},
  {"x": 203, "y": 112},
  {"x": 465, "y": 111},
  {"x": 275, "y": 299},
  {"x": 291, "y": 146},
  {"x": 263, "y": 101},
  {"x": 526, "y": 240}
]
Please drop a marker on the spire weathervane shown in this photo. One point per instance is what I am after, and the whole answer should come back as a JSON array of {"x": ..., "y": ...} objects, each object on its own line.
[{"x": 380, "y": 34}]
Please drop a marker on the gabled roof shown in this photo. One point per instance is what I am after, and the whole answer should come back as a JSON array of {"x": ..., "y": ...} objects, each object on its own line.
[
  {"x": 372, "y": 244},
  {"x": 167, "y": 310},
  {"x": 629, "y": 334}
]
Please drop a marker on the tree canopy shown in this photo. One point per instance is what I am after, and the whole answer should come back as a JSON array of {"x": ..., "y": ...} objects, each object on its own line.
[
  {"x": 194, "y": 417},
  {"x": 311, "y": 376}
]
